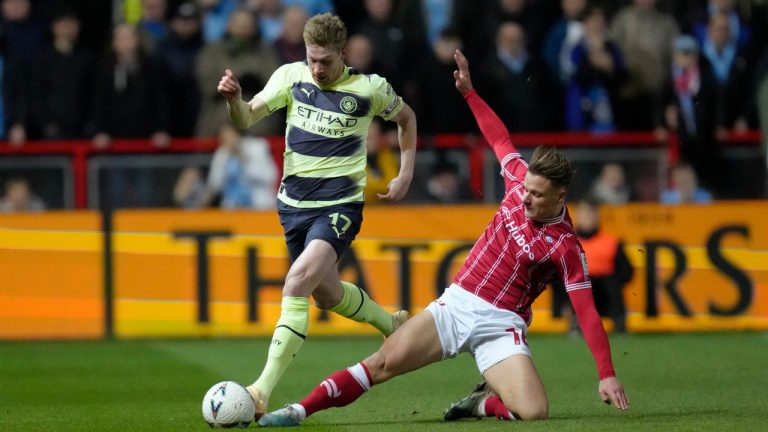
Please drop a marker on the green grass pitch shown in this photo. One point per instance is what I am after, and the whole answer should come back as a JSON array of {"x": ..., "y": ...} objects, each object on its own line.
[{"x": 681, "y": 382}]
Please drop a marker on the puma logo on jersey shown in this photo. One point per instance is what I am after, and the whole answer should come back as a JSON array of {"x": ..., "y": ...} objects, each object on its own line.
[
  {"x": 331, "y": 388},
  {"x": 307, "y": 92}
]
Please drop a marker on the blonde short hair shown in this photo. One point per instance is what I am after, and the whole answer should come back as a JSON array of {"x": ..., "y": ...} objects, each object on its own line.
[
  {"x": 551, "y": 164},
  {"x": 326, "y": 30}
]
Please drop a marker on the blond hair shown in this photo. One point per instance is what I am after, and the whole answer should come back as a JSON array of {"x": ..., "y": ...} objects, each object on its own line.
[
  {"x": 326, "y": 30},
  {"x": 552, "y": 165}
]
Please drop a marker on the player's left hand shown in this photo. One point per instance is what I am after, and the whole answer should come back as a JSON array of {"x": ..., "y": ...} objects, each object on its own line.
[
  {"x": 396, "y": 190},
  {"x": 612, "y": 393},
  {"x": 461, "y": 75}
]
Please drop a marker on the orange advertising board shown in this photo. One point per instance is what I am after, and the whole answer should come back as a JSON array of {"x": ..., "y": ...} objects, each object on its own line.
[
  {"x": 51, "y": 276},
  {"x": 191, "y": 273}
]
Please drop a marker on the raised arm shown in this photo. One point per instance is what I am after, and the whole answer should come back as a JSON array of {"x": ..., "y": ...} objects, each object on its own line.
[
  {"x": 243, "y": 114},
  {"x": 491, "y": 126}
]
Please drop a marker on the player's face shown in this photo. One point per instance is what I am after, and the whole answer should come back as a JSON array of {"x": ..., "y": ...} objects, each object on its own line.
[
  {"x": 542, "y": 199},
  {"x": 326, "y": 64}
]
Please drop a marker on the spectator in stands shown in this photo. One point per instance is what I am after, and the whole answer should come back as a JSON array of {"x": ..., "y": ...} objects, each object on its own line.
[
  {"x": 14, "y": 94},
  {"x": 609, "y": 267},
  {"x": 313, "y": 7},
  {"x": 360, "y": 54},
  {"x": 476, "y": 23},
  {"x": 394, "y": 30},
  {"x": 610, "y": 187},
  {"x": 562, "y": 38},
  {"x": 130, "y": 99},
  {"x": 729, "y": 67},
  {"x": 152, "y": 25},
  {"x": 760, "y": 84},
  {"x": 63, "y": 81},
  {"x": 438, "y": 108},
  {"x": 599, "y": 72},
  {"x": 270, "y": 13},
  {"x": 24, "y": 34},
  {"x": 701, "y": 13},
  {"x": 557, "y": 48},
  {"x": 242, "y": 173},
  {"x": 290, "y": 43},
  {"x": 190, "y": 192},
  {"x": 438, "y": 15},
  {"x": 241, "y": 50},
  {"x": 513, "y": 78},
  {"x": 445, "y": 184},
  {"x": 216, "y": 16},
  {"x": 690, "y": 107},
  {"x": 18, "y": 197},
  {"x": 643, "y": 34},
  {"x": 178, "y": 54},
  {"x": 685, "y": 187}
]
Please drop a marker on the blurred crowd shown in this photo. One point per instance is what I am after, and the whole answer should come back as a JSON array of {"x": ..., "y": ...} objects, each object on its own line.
[{"x": 99, "y": 70}]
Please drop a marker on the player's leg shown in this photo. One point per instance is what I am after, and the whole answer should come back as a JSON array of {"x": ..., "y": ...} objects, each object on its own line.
[
  {"x": 291, "y": 329},
  {"x": 414, "y": 346},
  {"x": 350, "y": 301},
  {"x": 514, "y": 389},
  {"x": 338, "y": 226},
  {"x": 517, "y": 389}
]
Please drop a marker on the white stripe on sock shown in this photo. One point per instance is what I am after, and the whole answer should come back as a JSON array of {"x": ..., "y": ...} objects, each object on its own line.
[{"x": 358, "y": 373}]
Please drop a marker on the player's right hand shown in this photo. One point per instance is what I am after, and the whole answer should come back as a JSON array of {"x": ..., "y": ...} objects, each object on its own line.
[
  {"x": 463, "y": 81},
  {"x": 229, "y": 86},
  {"x": 612, "y": 393}
]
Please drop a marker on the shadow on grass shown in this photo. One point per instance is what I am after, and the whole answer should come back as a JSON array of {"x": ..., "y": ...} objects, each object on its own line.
[
  {"x": 429, "y": 423},
  {"x": 655, "y": 414}
]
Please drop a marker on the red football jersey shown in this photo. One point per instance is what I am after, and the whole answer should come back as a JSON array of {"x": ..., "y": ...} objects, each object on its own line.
[{"x": 515, "y": 258}]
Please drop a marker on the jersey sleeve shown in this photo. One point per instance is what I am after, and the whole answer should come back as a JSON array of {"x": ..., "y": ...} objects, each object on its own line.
[
  {"x": 592, "y": 328},
  {"x": 573, "y": 266},
  {"x": 513, "y": 167},
  {"x": 575, "y": 277},
  {"x": 385, "y": 103},
  {"x": 277, "y": 93}
]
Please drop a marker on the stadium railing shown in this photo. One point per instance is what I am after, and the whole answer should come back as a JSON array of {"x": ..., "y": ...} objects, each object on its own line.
[{"x": 72, "y": 169}]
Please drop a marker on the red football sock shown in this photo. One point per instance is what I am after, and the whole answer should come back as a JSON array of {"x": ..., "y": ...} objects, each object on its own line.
[
  {"x": 494, "y": 407},
  {"x": 338, "y": 390}
]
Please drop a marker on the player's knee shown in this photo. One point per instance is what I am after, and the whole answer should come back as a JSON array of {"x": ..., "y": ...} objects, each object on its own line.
[
  {"x": 530, "y": 412},
  {"x": 530, "y": 407},
  {"x": 382, "y": 366},
  {"x": 297, "y": 283},
  {"x": 324, "y": 305},
  {"x": 324, "y": 302}
]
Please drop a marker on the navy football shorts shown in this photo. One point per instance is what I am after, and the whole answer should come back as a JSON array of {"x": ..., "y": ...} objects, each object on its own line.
[{"x": 338, "y": 225}]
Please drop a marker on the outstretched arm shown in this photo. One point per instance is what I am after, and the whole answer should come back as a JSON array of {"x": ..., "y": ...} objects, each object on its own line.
[
  {"x": 490, "y": 124},
  {"x": 243, "y": 114},
  {"x": 610, "y": 389}
]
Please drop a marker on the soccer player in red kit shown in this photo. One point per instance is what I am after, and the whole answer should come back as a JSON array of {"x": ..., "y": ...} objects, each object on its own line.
[{"x": 486, "y": 311}]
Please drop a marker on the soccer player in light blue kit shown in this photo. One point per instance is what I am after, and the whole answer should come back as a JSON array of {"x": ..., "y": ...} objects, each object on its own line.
[{"x": 320, "y": 199}]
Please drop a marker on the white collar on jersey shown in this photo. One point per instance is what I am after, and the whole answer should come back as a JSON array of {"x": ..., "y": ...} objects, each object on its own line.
[{"x": 557, "y": 219}]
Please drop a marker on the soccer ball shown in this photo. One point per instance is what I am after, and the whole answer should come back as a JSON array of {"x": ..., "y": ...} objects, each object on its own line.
[{"x": 227, "y": 405}]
